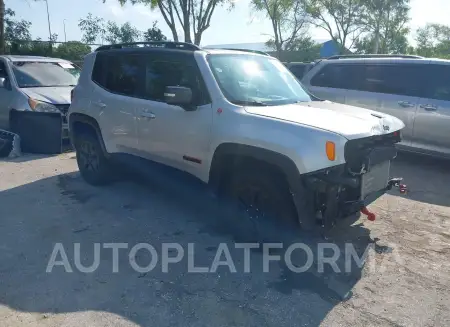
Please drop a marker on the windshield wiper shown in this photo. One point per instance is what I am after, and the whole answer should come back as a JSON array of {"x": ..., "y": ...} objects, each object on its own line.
[{"x": 250, "y": 103}]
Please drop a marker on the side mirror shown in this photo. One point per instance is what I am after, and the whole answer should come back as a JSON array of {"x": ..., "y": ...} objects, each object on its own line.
[{"x": 179, "y": 96}]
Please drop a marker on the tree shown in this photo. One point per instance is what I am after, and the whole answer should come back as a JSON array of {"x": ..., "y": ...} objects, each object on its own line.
[
  {"x": 121, "y": 34},
  {"x": 2, "y": 26},
  {"x": 72, "y": 50},
  {"x": 95, "y": 28},
  {"x": 395, "y": 44},
  {"x": 16, "y": 33},
  {"x": 288, "y": 20},
  {"x": 385, "y": 22},
  {"x": 16, "y": 30},
  {"x": 194, "y": 16},
  {"x": 92, "y": 28},
  {"x": 433, "y": 40},
  {"x": 343, "y": 20},
  {"x": 154, "y": 34},
  {"x": 302, "y": 49}
]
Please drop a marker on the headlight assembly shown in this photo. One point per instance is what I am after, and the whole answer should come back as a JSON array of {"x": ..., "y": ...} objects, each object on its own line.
[{"x": 40, "y": 106}]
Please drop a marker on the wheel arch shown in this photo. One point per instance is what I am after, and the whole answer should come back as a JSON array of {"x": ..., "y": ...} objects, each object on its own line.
[
  {"x": 236, "y": 152},
  {"x": 79, "y": 123},
  {"x": 221, "y": 159}
]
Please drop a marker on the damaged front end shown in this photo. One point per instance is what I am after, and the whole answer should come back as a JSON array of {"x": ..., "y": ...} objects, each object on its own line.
[{"x": 347, "y": 189}]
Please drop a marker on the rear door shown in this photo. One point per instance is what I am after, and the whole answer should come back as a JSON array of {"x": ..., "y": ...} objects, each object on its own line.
[
  {"x": 118, "y": 79},
  {"x": 432, "y": 124},
  {"x": 390, "y": 88}
]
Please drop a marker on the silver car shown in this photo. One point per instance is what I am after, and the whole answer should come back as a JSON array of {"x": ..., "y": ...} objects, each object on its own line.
[
  {"x": 35, "y": 98},
  {"x": 412, "y": 88}
]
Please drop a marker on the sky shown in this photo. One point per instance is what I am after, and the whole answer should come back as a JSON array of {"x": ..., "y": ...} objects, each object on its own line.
[{"x": 240, "y": 25}]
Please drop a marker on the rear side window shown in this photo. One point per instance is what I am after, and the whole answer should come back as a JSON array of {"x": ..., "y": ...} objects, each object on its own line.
[
  {"x": 345, "y": 76},
  {"x": 400, "y": 79},
  {"x": 119, "y": 73},
  {"x": 3, "y": 73},
  {"x": 438, "y": 82},
  {"x": 297, "y": 70},
  {"x": 125, "y": 75},
  {"x": 99, "y": 70}
]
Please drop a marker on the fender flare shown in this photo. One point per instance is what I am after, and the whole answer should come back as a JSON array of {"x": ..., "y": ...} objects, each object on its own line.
[
  {"x": 75, "y": 118},
  {"x": 300, "y": 196}
]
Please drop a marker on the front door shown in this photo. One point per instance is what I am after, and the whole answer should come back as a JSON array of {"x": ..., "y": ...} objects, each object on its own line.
[
  {"x": 169, "y": 134},
  {"x": 432, "y": 124}
]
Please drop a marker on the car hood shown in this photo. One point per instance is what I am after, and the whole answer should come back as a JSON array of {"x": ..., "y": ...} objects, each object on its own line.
[
  {"x": 348, "y": 121},
  {"x": 54, "y": 95}
]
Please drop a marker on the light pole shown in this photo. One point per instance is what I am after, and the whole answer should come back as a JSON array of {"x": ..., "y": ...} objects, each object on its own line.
[
  {"x": 65, "y": 36},
  {"x": 48, "y": 18}
]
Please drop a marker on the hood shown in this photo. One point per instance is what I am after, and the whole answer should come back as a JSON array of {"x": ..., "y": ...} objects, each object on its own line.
[
  {"x": 54, "y": 95},
  {"x": 348, "y": 121}
]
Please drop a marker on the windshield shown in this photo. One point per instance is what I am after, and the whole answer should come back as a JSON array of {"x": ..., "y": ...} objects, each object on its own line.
[
  {"x": 255, "y": 80},
  {"x": 45, "y": 74}
]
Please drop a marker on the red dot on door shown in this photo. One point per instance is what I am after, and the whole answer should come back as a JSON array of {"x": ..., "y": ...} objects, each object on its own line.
[{"x": 219, "y": 111}]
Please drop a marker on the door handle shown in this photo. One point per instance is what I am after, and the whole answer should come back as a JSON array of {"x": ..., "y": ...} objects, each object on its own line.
[
  {"x": 100, "y": 104},
  {"x": 428, "y": 107},
  {"x": 406, "y": 104},
  {"x": 148, "y": 115}
]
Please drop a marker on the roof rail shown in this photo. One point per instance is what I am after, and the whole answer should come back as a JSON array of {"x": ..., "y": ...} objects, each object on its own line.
[
  {"x": 154, "y": 44},
  {"x": 374, "y": 56},
  {"x": 243, "y": 50}
]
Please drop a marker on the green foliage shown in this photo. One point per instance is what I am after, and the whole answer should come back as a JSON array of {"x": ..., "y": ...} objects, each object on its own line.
[
  {"x": 16, "y": 29},
  {"x": 121, "y": 34},
  {"x": 343, "y": 20},
  {"x": 95, "y": 29},
  {"x": 92, "y": 28},
  {"x": 154, "y": 34},
  {"x": 194, "y": 16},
  {"x": 303, "y": 49},
  {"x": 385, "y": 23},
  {"x": 288, "y": 19},
  {"x": 433, "y": 40},
  {"x": 72, "y": 50}
]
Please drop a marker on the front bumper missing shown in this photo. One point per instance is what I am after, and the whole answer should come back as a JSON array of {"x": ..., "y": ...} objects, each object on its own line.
[
  {"x": 355, "y": 206},
  {"x": 340, "y": 194}
]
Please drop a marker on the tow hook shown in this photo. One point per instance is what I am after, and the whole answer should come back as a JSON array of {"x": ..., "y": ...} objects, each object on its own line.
[
  {"x": 370, "y": 215},
  {"x": 396, "y": 182}
]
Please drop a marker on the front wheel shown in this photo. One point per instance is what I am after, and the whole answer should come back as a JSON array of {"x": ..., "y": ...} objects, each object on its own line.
[
  {"x": 94, "y": 167},
  {"x": 263, "y": 194}
]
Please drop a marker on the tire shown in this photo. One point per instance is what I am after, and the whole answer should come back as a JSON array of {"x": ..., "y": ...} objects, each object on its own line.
[
  {"x": 263, "y": 193},
  {"x": 94, "y": 167}
]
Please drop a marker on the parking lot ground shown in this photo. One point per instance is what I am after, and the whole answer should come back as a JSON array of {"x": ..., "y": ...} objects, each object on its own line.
[{"x": 405, "y": 280}]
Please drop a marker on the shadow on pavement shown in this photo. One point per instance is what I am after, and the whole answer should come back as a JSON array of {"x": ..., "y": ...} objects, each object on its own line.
[
  {"x": 427, "y": 178},
  {"x": 164, "y": 206}
]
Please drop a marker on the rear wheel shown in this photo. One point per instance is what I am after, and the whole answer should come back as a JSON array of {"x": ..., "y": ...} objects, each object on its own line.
[
  {"x": 94, "y": 167},
  {"x": 263, "y": 193}
]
